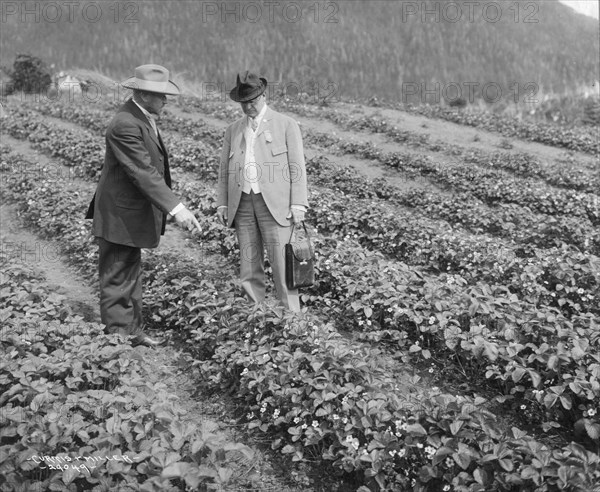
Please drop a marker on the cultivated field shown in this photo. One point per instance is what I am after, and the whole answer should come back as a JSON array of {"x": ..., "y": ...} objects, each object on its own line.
[{"x": 450, "y": 342}]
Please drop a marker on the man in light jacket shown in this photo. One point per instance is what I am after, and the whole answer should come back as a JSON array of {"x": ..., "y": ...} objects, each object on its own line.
[{"x": 262, "y": 187}]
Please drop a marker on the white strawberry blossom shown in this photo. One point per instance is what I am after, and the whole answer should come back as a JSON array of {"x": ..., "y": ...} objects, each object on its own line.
[
  {"x": 430, "y": 451},
  {"x": 353, "y": 442}
]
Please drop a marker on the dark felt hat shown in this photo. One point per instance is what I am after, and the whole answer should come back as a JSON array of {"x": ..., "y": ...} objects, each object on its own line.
[{"x": 248, "y": 86}]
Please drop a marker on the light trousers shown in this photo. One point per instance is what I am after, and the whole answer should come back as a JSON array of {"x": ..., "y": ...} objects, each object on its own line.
[{"x": 256, "y": 230}]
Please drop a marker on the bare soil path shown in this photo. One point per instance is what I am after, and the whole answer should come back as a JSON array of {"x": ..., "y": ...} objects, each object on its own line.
[
  {"x": 167, "y": 363},
  {"x": 463, "y": 135}
]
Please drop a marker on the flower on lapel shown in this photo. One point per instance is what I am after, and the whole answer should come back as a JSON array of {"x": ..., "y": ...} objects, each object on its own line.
[{"x": 268, "y": 136}]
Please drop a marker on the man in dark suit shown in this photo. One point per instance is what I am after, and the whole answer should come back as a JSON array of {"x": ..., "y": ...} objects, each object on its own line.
[
  {"x": 133, "y": 200},
  {"x": 262, "y": 187}
]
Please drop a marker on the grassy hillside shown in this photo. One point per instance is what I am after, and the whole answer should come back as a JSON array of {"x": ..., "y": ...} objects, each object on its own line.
[{"x": 386, "y": 48}]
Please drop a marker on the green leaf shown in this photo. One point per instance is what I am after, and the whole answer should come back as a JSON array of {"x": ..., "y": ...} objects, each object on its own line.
[
  {"x": 518, "y": 433},
  {"x": 529, "y": 473},
  {"x": 566, "y": 402},
  {"x": 563, "y": 474},
  {"x": 490, "y": 350},
  {"x": 518, "y": 374},
  {"x": 224, "y": 474},
  {"x": 321, "y": 412},
  {"x": 456, "y": 426},
  {"x": 550, "y": 400},
  {"x": 115, "y": 467},
  {"x": 506, "y": 464},
  {"x": 481, "y": 476},
  {"x": 206, "y": 472},
  {"x": 242, "y": 448},
  {"x": 70, "y": 474},
  {"x": 113, "y": 424},
  {"x": 441, "y": 454},
  {"x": 416, "y": 430},
  {"x": 593, "y": 430},
  {"x": 578, "y": 353},
  {"x": 426, "y": 473},
  {"x": 175, "y": 470},
  {"x": 164, "y": 459},
  {"x": 536, "y": 379},
  {"x": 553, "y": 362},
  {"x": 38, "y": 401},
  {"x": 463, "y": 460},
  {"x": 294, "y": 431}
]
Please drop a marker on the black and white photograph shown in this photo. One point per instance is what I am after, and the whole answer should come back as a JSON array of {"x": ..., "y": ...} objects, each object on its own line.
[{"x": 299, "y": 246}]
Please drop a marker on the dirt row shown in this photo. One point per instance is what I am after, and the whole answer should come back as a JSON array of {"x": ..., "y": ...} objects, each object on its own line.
[
  {"x": 167, "y": 363},
  {"x": 464, "y": 136},
  {"x": 469, "y": 138}
]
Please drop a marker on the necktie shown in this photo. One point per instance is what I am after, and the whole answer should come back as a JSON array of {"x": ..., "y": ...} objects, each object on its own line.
[
  {"x": 253, "y": 124},
  {"x": 154, "y": 127}
]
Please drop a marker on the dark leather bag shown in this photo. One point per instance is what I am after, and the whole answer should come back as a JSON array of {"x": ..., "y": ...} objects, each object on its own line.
[{"x": 299, "y": 262}]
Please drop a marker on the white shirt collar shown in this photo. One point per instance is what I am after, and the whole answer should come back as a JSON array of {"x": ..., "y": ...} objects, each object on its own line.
[
  {"x": 258, "y": 118},
  {"x": 146, "y": 113}
]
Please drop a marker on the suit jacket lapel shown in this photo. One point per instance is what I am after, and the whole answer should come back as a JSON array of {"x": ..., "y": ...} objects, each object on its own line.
[
  {"x": 162, "y": 146},
  {"x": 239, "y": 135},
  {"x": 132, "y": 108},
  {"x": 154, "y": 138},
  {"x": 167, "y": 171},
  {"x": 137, "y": 112},
  {"x": 264, "y": 123}
]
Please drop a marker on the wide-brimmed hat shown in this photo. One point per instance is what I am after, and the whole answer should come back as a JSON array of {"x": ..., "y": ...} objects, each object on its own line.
[
  {"x": 248, "y": 86},
  {"x": 152, "y": 78}
]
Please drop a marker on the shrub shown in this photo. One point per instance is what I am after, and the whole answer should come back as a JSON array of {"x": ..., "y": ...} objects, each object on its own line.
[{"x": 30, "y": 74}]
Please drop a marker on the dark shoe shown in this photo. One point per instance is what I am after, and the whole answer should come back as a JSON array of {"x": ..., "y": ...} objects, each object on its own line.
[{"x": 147, "y": 341}]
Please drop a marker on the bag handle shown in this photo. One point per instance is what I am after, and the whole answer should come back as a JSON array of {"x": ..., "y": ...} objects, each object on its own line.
[{"x": 305, "y": 230}]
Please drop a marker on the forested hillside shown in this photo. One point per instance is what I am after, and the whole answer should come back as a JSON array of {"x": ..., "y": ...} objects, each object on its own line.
[{"x": 385, "y": 48}]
